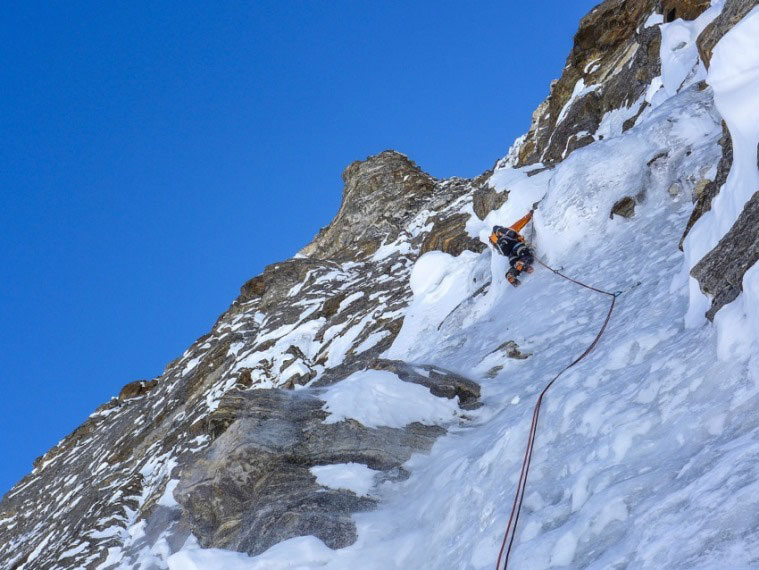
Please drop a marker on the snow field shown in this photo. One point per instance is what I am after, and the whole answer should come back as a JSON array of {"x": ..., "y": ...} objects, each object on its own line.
[
  {"x": 679, "y": 52},
  {"x": 297, "y": 553}
]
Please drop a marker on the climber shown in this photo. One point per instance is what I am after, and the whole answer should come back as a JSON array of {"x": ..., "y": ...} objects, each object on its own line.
[{"x": 510, "y": 243}]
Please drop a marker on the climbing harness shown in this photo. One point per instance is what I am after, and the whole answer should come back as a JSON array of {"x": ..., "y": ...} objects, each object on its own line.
[{"x": 511, "y": 528}]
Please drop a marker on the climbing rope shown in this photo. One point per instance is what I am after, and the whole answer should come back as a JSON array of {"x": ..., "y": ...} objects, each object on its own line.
[{"x": 516, "y": 508}]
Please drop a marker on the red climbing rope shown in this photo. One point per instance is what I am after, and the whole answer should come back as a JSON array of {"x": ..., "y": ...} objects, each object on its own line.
[{"x": 516, "y": 508}]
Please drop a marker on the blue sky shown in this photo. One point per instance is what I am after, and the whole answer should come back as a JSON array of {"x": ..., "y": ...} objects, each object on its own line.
[{"x": 154, "y": 156}]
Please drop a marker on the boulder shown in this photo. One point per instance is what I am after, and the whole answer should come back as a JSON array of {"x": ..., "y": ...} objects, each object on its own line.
[
  {"x": 136, "y": 389},
  {"x": 624, "y": 207},
  {"x": 449, "y": 235},
  {"x": 485, "y": 199},
  {"x": 511, "y": 349},
  {"x": 244, "y": 379}
]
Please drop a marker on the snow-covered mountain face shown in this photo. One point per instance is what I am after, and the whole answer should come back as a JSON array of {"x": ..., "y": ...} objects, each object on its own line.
[{"x": 366, "y": 404}]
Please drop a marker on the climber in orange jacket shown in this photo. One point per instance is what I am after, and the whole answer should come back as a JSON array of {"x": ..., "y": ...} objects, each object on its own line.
[{"x": 510, "y": 243}]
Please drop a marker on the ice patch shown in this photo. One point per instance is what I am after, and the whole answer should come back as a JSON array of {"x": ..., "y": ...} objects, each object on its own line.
[
  {"x": 653, "y": 20},
  {"x": 371, "y": 341},
  {"x": 564, "y": 550},
  {"x": 167, "y": 499},
  {"x": 679, "y": 52},
  {"x": 350, "y": 299},
  {"x": 354, "y": 477},
  {"x": 579, "y": 91},
  {"x": 378, "y": 398}
]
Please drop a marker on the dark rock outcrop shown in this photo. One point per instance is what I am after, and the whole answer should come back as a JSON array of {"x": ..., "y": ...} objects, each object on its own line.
[
  {"x": 613, "y": 52},
  {"x": 685, "y": 9},
  {"x": 625, "y": 207},
  {"x": 136, "y": 389},
  {"x": 720, "y": 272},
  {"x": 252, "y": 488},
  {"x": 486, "y": 199},
  {"x": 511, "y": 349},
  {"x": 277, "y": 279},
  {"x": 379, "y": 192},
  {"x": 449, "y": 235},
  {"x": 441, "y": 383}
]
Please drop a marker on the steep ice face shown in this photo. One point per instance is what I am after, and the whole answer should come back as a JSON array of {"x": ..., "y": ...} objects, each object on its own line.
[{"x": 650, "y": 441}]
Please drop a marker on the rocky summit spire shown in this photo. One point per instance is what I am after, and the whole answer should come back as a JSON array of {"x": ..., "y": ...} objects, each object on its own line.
[{"x": 380, "y": 194}]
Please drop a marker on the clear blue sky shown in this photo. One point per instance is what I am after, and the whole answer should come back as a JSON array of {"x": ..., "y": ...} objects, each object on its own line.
[{"x": 154, "y": 156}]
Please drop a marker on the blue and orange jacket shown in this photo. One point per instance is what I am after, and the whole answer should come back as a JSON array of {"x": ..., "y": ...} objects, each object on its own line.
[{"x": 504, "y": 239}]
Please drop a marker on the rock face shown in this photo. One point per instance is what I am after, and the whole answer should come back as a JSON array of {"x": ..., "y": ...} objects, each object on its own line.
[
  {"x": 711, "y": 188},
  {"x": 685, "y": 9},
  {"x": 135, "y": 389},
  {"x": 252, "y": 487},
  {"x": 486, "y": 199},
  {"x": 379, "y": 193},
  {"x": 720, "y": 272},
  {"x": 450, "y": 236},
  {"x": 612, "y": 62}
]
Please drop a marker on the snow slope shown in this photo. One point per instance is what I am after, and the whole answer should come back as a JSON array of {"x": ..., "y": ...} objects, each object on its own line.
[{"x": 647, "y": 453}]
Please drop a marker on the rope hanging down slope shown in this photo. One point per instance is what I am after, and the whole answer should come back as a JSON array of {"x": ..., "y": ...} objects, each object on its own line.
[{"x": 511, "y": 528}]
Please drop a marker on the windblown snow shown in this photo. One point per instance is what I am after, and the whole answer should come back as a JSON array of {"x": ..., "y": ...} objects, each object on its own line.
[{"x": 647, "y": 453}]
